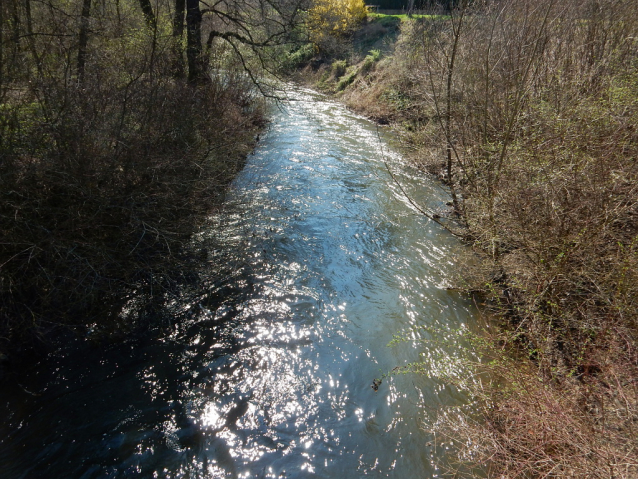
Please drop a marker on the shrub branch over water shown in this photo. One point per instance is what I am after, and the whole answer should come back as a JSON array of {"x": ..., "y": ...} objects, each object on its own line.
[{"x": 529, "y": 111}]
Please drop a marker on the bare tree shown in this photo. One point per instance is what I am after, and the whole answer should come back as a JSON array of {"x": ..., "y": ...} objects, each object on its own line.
[
  {"x": 531, "y": 111},
  {"x": 249, "y": 28},
  {"x": 108, "y": 163},
  {"x": 194, "y": 52},
  {"x": 178, "y": 33},
  {"x": 149, "y": 15},
  {"x": 2, "y": 15}
]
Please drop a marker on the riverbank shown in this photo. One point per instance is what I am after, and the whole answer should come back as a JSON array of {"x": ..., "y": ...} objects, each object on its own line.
[
  {"x": 102, "y": 186},
  {"x": 529, "y": 117}
]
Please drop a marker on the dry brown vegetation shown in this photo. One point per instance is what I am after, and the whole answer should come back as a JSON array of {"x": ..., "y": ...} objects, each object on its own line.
[
  {"x": 528, "y": 111},
  {"x": 109, "y": 160}
]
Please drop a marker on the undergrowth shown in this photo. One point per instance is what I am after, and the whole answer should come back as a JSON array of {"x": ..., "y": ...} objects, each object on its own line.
[
  {"x": 528, "y": 114},
  {"x": 104, "y": 176}
]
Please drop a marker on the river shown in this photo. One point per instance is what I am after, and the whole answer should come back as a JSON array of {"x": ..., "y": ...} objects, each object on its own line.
[{"x": 268, "y": 366}]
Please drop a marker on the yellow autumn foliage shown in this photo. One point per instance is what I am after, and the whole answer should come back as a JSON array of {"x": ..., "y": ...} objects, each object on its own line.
[{"x": 334, "y": 18}]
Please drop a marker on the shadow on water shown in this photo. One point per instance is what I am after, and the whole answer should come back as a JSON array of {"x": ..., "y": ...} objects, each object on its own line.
[{"x": 267, "y": 364}]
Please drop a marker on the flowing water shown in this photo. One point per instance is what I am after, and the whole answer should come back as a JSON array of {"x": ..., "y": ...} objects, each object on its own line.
[{"x": 268, "y": 366}]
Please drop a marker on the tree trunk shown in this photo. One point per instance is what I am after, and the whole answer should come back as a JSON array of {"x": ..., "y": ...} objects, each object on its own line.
[
  {"x": 83, "y": 40},
  {"x": 196, "y": 73},
  {"x": 31, "y": 41},
  {"x": 14, "y": 62},
  {"x": 1, "y": 51},
  {"x": 178, "y": 33},
  {"x": 456, "y": 32},
  {"x": 149, "y": 16}
]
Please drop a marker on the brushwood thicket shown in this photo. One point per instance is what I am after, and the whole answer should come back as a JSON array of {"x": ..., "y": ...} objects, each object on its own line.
[
  {"x": 528, "y": 112},
  {"x": 110, "y": 158}
]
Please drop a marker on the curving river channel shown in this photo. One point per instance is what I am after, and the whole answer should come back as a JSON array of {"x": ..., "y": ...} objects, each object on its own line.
[{"x": 267, "y": 367}]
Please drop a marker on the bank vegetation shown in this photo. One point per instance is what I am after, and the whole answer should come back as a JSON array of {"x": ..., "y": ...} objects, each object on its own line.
[
  {"x": 121, "y": 123},
  {"x": 528, "y": 111}
]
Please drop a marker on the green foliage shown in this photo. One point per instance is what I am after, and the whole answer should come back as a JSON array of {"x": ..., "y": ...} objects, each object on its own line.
[
  {"x": 347, "y": 78},
  {"x": 339, "y": 68},
  {"x": 298, "y": 57},
  {"x": 329, "y": 20},
  {"x": 369, "y": 61}
]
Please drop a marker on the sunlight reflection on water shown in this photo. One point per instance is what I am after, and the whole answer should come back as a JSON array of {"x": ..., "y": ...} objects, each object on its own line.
[
  {"x": 268, "y": 367},
  {"x": 348, "y": 264}
]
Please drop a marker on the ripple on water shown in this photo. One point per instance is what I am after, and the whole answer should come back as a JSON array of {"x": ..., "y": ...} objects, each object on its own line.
[{"x": 266, "y": 369}]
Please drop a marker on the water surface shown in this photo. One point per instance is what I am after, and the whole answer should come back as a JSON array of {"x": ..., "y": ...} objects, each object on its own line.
[{"x": 267, "y": 367}]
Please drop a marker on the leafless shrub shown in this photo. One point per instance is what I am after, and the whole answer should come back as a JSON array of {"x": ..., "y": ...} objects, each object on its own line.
[
  {"x": 535, "y": 104},
  {"x": 103, "y": 177}
]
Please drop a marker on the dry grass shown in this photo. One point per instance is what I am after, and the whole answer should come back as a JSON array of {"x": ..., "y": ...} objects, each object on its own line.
[{"x": 526, "y": 424}]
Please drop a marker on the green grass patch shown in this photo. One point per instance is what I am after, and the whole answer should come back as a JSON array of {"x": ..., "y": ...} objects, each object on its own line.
[
  {"x": 347, "y": 79},
  {"x": 394, "y": 20},
  {"x": 339, "y": 68},
  {"x": 369, "y": 61}
]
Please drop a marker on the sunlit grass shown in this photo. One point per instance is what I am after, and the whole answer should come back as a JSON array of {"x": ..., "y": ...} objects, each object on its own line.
[{"x": 384, "y": 18}]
